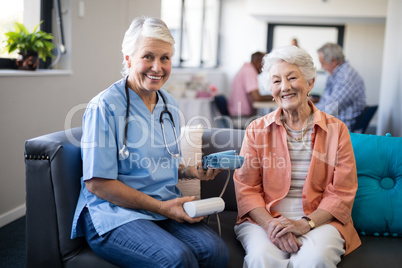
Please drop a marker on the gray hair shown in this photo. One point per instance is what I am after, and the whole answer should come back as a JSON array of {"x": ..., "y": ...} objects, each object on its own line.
[
  {"x": 290, "y": 54},
  {"x": 144, "y": 27},
  {"x": 332, "y": 51}
]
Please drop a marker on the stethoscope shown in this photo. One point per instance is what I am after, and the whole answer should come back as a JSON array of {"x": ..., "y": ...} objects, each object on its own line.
[{"x": 124, "y": 152}]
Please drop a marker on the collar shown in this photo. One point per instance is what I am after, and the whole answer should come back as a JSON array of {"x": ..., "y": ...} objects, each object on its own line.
[{"x": 275, "y": 117}]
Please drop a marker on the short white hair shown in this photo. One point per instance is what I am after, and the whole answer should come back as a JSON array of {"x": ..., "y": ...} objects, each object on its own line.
[
  {"x": 332, "y": 51},
  {"x": 290, "y": 54},
  {"x": 144, "y": 27}
]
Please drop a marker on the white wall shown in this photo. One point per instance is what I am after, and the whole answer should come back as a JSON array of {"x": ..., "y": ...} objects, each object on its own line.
[
  {"x": 323, "y": 10},
  {"x": 390, "y": 109},
  {"x": 364, "y": 47},
  {"x": 241, "y": 35},
  {"x": 36, "y": 105}
]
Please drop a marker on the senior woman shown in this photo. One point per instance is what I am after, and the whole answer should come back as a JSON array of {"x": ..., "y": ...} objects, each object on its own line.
[
  {"x": 130, "y": 210},
  {"x": 295, "y": 190}
]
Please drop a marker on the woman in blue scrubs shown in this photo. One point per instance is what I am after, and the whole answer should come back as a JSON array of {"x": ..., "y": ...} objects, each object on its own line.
[{"x": 130, "y": 210}]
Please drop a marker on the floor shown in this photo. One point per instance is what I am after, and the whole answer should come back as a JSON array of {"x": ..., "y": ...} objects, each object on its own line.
[{"x": 12, "y": 245}]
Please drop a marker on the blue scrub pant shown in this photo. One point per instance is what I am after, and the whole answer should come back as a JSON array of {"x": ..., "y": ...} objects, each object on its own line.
[{"x": 167, "y": 243}]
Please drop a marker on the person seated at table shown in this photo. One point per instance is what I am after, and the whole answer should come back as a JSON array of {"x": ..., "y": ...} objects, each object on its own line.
[
  {"x": 296, "y": 188},
  {"x": 130, "y": 210},
  {"x": 245, "y": 88},
  {"x": 345, "y": 92}
]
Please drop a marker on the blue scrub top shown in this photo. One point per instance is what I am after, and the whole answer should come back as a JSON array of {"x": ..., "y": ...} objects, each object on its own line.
[{"x": 149, "y": 168}]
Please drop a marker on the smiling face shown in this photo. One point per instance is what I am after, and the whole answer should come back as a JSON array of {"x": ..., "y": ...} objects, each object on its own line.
[
  {"x": 289, "y": 87},
  {"x": 150, "y": 65}
]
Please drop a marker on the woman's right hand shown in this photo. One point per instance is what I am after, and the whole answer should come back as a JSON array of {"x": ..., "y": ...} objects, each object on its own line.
[
  {"x": 287, "y": 243},
  {"x": 120, "y": 194},
  {"x": 173, "y": 209}
]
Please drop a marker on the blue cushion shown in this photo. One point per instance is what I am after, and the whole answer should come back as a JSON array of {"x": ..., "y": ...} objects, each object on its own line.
[{"x": 377, "y": 209}]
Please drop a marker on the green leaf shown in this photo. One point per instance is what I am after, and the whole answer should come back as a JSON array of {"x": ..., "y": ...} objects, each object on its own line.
[
  {"x": 36, "y": 27},
  {"x": 23, "y": 41},
  {"x": 21, "y": 28}
]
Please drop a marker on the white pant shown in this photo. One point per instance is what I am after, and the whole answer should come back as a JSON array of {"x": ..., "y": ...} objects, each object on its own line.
[{"x": 322, "y": 247}]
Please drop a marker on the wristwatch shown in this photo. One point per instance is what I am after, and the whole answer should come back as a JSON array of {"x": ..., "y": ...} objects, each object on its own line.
[{"x": 310, "y": 222}]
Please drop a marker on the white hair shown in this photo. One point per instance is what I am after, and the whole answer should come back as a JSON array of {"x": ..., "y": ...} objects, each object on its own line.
[
  {"x": 144, "y": 27},
  {"x": 290, "y": 54},
  {"x": 332, "y": 51}
]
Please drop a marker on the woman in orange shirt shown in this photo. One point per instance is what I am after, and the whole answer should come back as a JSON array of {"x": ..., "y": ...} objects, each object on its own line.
[{"x": 296, "y": 189}]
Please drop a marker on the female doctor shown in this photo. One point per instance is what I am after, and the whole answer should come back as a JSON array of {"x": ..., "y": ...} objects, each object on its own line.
[{"x": 130, "y": 210}]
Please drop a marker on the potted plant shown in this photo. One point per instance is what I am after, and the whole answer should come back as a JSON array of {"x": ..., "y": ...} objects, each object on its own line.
[{"x": 30, "y": 46}]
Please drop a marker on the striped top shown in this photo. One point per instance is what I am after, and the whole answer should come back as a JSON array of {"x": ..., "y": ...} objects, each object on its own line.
[
  {"x": 300, "y": 157},
  {"x": 291, "y": 206}
]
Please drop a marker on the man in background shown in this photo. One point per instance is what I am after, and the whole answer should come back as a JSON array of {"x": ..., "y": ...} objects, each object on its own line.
[
  {"x": 344, "y": 96},
  {"x": 245, "y": 89}
]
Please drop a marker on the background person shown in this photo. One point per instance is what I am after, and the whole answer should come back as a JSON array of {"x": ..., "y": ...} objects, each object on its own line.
[
  {"x": 130, "y": 210},
  {"x": 245, "y": 88},
  {"x": 296, "y": 188},
  {"x": 294, "y": 42},
  {"x": 345, "y": 93}
]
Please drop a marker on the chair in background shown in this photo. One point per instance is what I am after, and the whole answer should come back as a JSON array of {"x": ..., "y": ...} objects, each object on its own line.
[
  {"x": 227, "y": 121},
  {"x": 364, "y": 119},
  {"x": 222, "y": 107}
]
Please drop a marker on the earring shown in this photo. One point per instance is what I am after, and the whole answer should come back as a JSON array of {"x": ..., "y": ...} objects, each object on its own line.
[
  {"x": 128, "y": 61},
  {"x": 308, "y": 94},
  {"x": 273, "y": 99}
]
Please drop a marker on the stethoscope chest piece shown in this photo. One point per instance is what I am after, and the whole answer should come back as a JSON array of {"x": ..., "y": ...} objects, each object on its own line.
[{"x": 124, "y": 153}]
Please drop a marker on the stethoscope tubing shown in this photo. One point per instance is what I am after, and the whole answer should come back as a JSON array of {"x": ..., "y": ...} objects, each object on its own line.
[{"x": 124, "y": 153}]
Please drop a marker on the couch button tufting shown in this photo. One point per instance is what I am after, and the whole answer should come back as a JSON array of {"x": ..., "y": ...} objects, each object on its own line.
[{"x": 387, "y": 183}]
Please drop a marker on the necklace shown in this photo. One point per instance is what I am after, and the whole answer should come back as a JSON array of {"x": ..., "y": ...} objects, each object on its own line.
[{"x": 304, "y": 131}]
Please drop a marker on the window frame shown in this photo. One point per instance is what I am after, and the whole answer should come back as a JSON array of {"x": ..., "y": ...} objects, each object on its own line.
[
  {"x": 179, "y": 49},
  {"x": 46, "y": 7},
  {"x": 46, "y": 16},
  {"x": 271, "y": 29}
]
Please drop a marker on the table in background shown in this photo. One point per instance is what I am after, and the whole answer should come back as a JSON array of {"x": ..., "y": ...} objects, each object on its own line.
[{"x": 195, "y": 111}]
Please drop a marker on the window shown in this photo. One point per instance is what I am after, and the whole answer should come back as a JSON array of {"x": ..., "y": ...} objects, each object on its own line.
[
  {"x": 195, "y": 27},
  {"x": 30, "y": 13},
  {"x": 10, "y": 12},
  {"x": 24, "y": 11}
]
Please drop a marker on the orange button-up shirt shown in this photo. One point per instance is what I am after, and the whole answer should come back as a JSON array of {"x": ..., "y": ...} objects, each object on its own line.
[{"x": 331, "y": 182}]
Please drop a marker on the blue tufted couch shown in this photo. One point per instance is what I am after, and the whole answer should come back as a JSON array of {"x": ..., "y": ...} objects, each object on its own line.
[{"x": 53, "y": 168}]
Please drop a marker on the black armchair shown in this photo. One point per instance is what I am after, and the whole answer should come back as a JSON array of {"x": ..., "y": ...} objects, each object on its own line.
[{"x": 53, "y": 167}]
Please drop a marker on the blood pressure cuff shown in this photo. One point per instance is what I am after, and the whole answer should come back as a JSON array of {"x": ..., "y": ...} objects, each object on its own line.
[{"x": 223, "y": 160}]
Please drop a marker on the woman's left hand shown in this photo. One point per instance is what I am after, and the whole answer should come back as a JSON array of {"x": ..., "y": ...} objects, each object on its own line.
[
  {"x": 282, "y": 225},
  {"x": 198, "y": 172}
]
